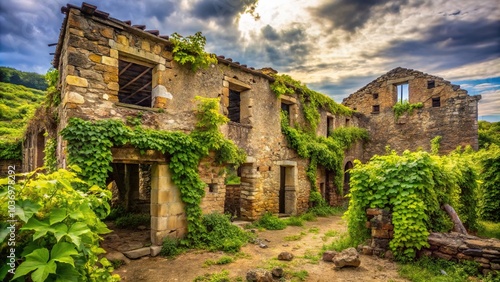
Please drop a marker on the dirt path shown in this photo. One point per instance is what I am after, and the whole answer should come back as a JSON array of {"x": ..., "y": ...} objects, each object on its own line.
[{"x": 306, "y": 247}]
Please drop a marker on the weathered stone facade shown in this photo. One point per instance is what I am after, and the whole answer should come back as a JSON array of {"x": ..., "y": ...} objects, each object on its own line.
[
  {"x": 100, "y": 59},
  {"x": 448, "y": 111}
]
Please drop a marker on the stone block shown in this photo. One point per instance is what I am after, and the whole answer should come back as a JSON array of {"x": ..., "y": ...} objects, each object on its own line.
[
  {"x": 159, "y": 223},
  {"x": 145, "y": 46},
  {"x": 172, "y": 222},
  {"x": 482, "y": 260},
  {"x": 380, "y": 233},
  {"x": 373, "y": 212},
  {"x": 109, "y": 61},
  {"x": 91, "y": 74},
  {"x": 76, "y": 31},
  {"x": 440, "y": 255},
  {"x": 122, "y": 39},
  {"x": 73, "y": 97},
  {"x": 176, "y": 208},
  {"x": 77, "y": 81},
  {"x": 135, "y": 254},
  {"x": 113, "y": 86},
  {"x": 106, "y": 32},
  {"x": 157, "y": 49},
  {"x": 450, "y": 250},
  {"x": 473, "y": 252},
  {"x": 113, "y": 53},
  {"x": 155, "y": 250},
  {"x": 110, "y": 77}
]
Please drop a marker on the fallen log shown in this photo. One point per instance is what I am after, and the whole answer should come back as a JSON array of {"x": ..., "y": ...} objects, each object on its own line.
[{"x": 457, "y": 223}]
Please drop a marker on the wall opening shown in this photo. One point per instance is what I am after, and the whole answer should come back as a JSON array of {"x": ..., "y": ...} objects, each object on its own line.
[
  {"x": 40, "y": 147},
  {"x": 436, "y": 102},
  {"x": 375, "y": 96},
  {"x": 375, "y": 109},
  {"x": 347, "y": 177},
  {"x": 287, "y": 194},
  {"x": 431, "y": 84},
  {"x": 234, "y": 106},
  {"x": 329, "y": 126},
  {"x": 402, "y": 91},
  {"x": 135, "y": 82}
]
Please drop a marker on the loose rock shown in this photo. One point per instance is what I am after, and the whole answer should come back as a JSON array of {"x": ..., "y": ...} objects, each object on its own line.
[
  {"x": 348, "y": 257},
  {"x": 285, "y": 256},
  {"x": 329, "y": 255},
  {"x": 277, "y": 272},
  {"x": 259, "y": 275}
]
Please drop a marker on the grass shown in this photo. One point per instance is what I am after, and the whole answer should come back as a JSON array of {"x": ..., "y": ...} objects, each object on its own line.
[
  {"x": 300, "y": 275},
  {"x": 437, "y": 270},
  {"x": 313, "y": 256},
  {"x": 314, "y": 230},
  {"x": 295, "y": 237},
  {"x": 294, "y": 221},
  {"x": 222, "y": 276},
  {"x": 489, "y": 229},
  {"x": 221, "y": 261},
  {"x": 343, "y": 242}
]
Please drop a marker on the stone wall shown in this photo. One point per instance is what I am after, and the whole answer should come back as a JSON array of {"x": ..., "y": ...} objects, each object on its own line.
[
  {"x": 453, "y": 116},
  {"x": 447, "y": 246}
]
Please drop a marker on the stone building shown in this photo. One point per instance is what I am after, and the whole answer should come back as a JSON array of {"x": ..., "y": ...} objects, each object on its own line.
[
  {"x": 112, "y": 69},
  {"x": 446, "y": 111}
]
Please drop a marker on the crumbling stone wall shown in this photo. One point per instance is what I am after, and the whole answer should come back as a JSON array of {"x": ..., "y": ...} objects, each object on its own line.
[
  {"x": 448, "y": 246},
  {"x": 448, "y": 111},
  {"x": 6, "y": 166}
]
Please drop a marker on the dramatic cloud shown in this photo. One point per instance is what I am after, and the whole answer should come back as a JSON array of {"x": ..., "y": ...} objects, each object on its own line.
[{"x": 334, "y": 46}]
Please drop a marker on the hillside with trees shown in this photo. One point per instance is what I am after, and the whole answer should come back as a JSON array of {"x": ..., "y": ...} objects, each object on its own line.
[{"x": 28, "y": 79}]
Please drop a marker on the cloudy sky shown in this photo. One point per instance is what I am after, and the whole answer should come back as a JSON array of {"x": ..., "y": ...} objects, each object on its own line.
[{"x": 334, "y": 46}]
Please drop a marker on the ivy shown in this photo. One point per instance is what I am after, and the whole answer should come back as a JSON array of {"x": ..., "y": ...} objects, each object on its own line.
[
  {"x": 489, "y": 160},
  {"x": 413, "y": 186},
  {"x": 11, "y": 150},
  {"x": 327, "y": 152},
  {"x": 311, "y": 100},
  {"x": 49, "y": 160},
  {"x": 191, "y": 49},
  {"x": 405, "y": 107},
  {"x": 90, "y": 143}
]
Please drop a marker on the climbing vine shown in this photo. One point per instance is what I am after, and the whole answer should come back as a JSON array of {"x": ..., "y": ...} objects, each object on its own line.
[
  {"x": 405, "y": 107},
  {"x": 49, "y": 160},
  {"x": 413, "y": 186},
  {"x": 90, "y": 143},
  {"x": 325, "y": 151},
  {"x": 191, "y": 49},
  {"x": 311, "y": 100}
]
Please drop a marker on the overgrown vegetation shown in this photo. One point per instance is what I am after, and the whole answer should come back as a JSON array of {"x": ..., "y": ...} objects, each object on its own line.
[
  {"x": 405, "y": 107},
  {"x": 431, "y": 269},
  {"x": 89, "y": 145},
  {"x": 58, "y": 228},
  {"x": 489, "y": 133},
  {"x": 413, "y": 186},
  {"x": 27, "y": 79},
  {"x": 311, "y": 100},
  {"x": 133, "y": 220},
  {"x": 191, "y": 50}
]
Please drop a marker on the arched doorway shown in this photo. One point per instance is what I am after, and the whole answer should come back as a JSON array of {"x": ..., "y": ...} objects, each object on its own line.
[{"x": 347, "y": 177}]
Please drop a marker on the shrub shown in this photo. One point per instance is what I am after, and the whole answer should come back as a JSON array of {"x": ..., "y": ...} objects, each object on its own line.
[
  {"x": 294, "y": 221},
  {"x": 271, "y": 222},
  {"x": 115, "y": 213},
  {"x": 221, "y": 234},
  {"x": 170, "y": 247},
  {"x": 132, "y": 221}
]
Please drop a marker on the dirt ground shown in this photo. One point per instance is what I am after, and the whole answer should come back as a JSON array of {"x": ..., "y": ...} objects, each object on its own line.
[{"x": 310, "y": 238}]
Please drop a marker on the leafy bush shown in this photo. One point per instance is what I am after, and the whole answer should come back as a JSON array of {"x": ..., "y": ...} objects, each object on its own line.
[
  {"x": 132, "y": 221},
  {"x": 294, "y": 221},
  {"x": 116, "y": 212},
  {"x": 413, "y": 186},
  {"x": 58, "y": 228},
  {"x": 221, "y": 234},
  {"x": 170, "y": 247},
  {"x": 270, "y": 222},
  {"x": 405, "y": 107},
  {"x": 490, "y": 187},
  {"x": 191, "y": 49}
]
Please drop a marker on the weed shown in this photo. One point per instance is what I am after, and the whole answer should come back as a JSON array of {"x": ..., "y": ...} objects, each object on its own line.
[
  {"x": 293, "y": 237},
  {"x": 222, "y": 276},
  {"x": 115, "y": 213},
  {"x": 222, "y": 235},
  {"x": 313, "y": 256},
  {"x": 489, "y": 229},
  {"x": 270, "y": 222},
  {"x": 294, "y": 221},
  {"x": 221, "y": 261},
  {"x": 170, "y": 247},
  {"x": 308, "y": 216},
  {"x": 117, "y": 263},
  {"x": 301, "y": 275},
  {"x": 343, "y": 242},
  {"x": 331, "y": 233},
  {"x": 314, "y": 230}
]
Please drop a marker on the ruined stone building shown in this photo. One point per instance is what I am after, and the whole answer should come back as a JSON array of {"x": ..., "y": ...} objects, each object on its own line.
[
  {"x": 446, "y": 111},
  {"x": 109, "y": 68}
]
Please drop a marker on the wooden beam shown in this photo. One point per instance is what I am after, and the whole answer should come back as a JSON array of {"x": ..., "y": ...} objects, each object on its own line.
[
  {"x": 133, "y": 80},
  {"x": 140, "y": 89},
  {"x": 124, "y": 69}
]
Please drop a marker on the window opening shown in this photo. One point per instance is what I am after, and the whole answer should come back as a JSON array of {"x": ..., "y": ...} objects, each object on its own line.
[
  {"x": 436, "y": 102},
  {"x": 234, "y": 106},
  {"x": 402, "y": 92},
  {"x": 135, "y": 82},
  {"x": 431, "y": 84},
  {"x": 376, "y": 109}
]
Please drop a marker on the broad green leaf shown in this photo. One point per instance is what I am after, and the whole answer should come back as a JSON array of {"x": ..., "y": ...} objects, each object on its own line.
[
  {"x": 62, "y": 252},
  {"x": 66, "y": 273},
  {"x": 38, "y": 261},
  {"x": 25, "y": 209},
  {"x": 60, "y": 230},
  {"x": 57, "y": 215},
  {"x": 41, "y": 227}
]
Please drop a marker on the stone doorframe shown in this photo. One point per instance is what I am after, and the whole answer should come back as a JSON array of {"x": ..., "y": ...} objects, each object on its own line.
[
  {"x": 291, "y": 184},
  {"x": 168, "y": 216}
]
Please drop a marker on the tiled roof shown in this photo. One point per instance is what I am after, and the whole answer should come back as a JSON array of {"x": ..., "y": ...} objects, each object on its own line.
[{"x": 92, "y": 10}]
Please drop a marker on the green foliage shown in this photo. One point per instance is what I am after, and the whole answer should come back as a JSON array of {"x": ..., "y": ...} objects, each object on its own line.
[
  {"x": 221, "y": 261},
  {"x": 270, "y": 222},
  {"x": 413, "y": 186},
  {"x": 191, "y": 49},
  {"x": 53, "y": 95},
  {"x": 431, "y": 269},
  {"x": 222, "y": 276},
  {"x": 435, "y": 145},
  {"x": 133, "y": 220},
  {"x": 170, "y": 247},
  {"x": 489, "y": 191},
  {"x": 11, "y": 150},
  {"x": 50, "y": 160},
  {"x": 328, "y": 152},
  {"x": 488, "y": 229},
  {"x": 311, "y": 100},
  {"x": 343, "y": 242},
  {"x": 405, "y": 107},
  {"x": 489, "y": 133},
  {"x": 294, "y": 221},
  {"x": 58, "y": 228},
  {"x": 221, "y": 234},
  {"x": 89, "y": 145},
  {"x": 326, "y": 210},
  {"x": 301, "y": 275},
  {"x": 27, "y": 79}
]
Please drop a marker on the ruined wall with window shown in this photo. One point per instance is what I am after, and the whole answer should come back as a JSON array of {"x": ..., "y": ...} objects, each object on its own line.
[{"x": 447, "y": 111}]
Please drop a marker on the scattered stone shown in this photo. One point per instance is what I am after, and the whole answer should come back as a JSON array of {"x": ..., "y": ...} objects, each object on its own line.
[
  {"x": 263, "y": 246},
  {"x": 155, "y": 250},
  {"x": 329, "y": 255},
  {"x": 277, "y": 272},
  {"x": 285, "y": 245},
  {"x": 389, "y": 255},
  {"x": 267, "y": 240},
  {"x": 285, "y": 256},
  {"x": 348, "y": 257},
  {"x": 367, "y": 250},
  {"x": 141, "y": 227},
  {"x": 259, "y": 275},
  {"x": 117, "y": 256},
  {"x": 138, "y": 253}
]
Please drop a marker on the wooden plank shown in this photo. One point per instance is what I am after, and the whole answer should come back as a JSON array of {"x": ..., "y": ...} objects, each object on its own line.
[{"x": 135, "y": 79}]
